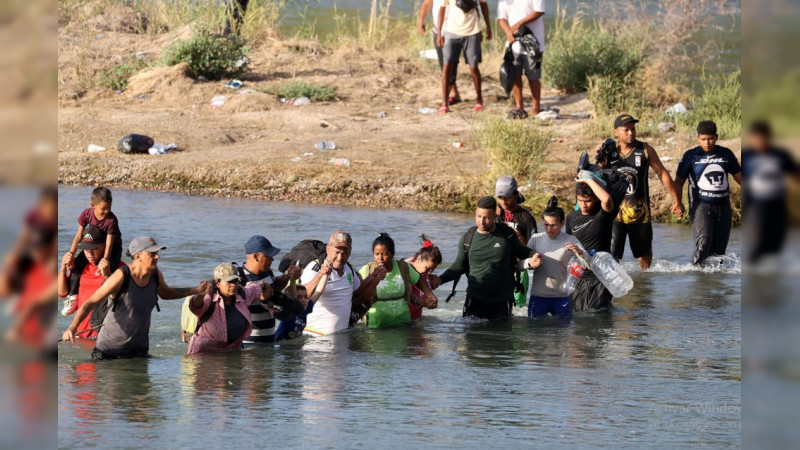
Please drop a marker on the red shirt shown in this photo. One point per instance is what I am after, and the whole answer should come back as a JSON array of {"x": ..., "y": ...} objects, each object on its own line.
[
  {"x": 37, "y": 280},
  {"x": 110, "y": 224},
  {"x": 90, "y": 282}
]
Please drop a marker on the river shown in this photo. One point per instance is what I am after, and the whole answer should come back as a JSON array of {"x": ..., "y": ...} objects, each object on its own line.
[{"x": 663, "y": 367}]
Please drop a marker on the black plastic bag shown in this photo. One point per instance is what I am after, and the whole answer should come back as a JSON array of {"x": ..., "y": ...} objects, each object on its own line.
[
  {"x": 135, "y": 143},
  {"x": 507, "y": 71}
]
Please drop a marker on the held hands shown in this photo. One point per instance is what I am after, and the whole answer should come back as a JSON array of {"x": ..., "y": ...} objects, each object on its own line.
[
  {"x": 488, "y": 33},
  {"x": 69, "y": 260},
  {"x": 440, "y": 39},
  {"x": 678, "y": 210},
  {"x": 205, "y": 288},
  {"x": 326, "y": 268},
  {"x": 435, "y": 281},
  {"x": 294, "y": 272},
  {"x": 103, "y": 268}
]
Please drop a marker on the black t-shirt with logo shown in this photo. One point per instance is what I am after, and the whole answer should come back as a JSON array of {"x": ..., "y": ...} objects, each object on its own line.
[
  {"x": 765, "y": 174},
  {"x": 708, "y": 174},
  {"x": 635, "y": 207},
  {"x": 520, "y": 220},
  {"x": 593, "y": 230}
]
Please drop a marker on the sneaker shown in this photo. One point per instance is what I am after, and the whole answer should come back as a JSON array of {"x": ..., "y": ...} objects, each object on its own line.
[{"x": 70, "y": 305}]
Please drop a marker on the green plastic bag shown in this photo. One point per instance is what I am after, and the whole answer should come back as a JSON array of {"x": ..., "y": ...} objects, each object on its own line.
[
  {"x": 388, "y": 313},
  {"x": 521, "y": 297}
]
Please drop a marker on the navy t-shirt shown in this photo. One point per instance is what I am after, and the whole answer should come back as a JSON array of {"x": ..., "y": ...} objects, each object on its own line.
[
  {"x": 765, "y": 174},
  {"x": 708, "y": 174},
  {"x": 295, "y": 327}
]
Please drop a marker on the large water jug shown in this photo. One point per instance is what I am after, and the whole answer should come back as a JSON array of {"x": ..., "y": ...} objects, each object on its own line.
[{"x": 610, "y": 273}]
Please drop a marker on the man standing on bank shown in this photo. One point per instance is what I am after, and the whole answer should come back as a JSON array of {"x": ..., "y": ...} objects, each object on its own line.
[
  {"x": 487, "y": 255},
  {"x": 518, "y": 18},
  {"x": 634, "y": 220},
  {"x": 462, "y": 33}
]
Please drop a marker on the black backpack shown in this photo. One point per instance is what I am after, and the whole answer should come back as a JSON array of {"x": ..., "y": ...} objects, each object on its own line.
[
  {"x": 466, "y": 5},
  {"x": 510, "y": 234},
  {"x": 306, "y": 251},
  {"x": 99, "y": 313}
]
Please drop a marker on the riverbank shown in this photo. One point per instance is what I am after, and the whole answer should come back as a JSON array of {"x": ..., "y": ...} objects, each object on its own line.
[{"x": 249, "y": 146}]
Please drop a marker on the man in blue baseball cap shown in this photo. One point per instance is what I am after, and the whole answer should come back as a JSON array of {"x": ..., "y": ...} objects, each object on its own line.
[{"x": 258, "y": 269}]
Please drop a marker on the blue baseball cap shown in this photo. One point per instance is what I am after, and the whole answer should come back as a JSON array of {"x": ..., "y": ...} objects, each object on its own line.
[{"x": 260, "y": 244}]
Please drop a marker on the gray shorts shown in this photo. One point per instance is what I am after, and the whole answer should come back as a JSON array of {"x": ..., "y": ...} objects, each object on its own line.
[
  {"x": 454, "y": 45},
  {"x": 524, "y": 64}
]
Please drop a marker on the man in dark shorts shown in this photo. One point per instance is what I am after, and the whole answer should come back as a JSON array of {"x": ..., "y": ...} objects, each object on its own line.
[
  {"x": 766, "y": 213},
  {"x": 634, "y": 220},
  {"x": 489, "y": 264},
  {"x": 592, "y": 224},
  {"x": 707, "y": 167},
  {"x": 462, "y": 33},
  {"x": 432, "y": 6}
]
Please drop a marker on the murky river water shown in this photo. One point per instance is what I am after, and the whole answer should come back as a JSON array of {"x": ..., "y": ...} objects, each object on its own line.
[{"x": 663, "y": 367}]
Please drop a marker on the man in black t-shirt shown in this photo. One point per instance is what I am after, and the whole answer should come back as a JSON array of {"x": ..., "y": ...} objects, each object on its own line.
[
  {"x": 592, "y": 224},
  {"x": 765, "y": 214},
  {"x": 707, "y": 168}
]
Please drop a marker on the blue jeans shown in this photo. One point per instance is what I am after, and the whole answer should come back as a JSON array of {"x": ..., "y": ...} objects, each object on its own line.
[{"x": 558, "y": 306}]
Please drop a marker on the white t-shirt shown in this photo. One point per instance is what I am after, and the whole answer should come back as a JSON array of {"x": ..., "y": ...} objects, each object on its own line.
[
  {"x": 515, "y": 10},
  {"x": 548, "y": 278},
  {"x": 460, "y": 23},
  {"x": 435, "y": 15},
  {"x": 332, "y": 310}
]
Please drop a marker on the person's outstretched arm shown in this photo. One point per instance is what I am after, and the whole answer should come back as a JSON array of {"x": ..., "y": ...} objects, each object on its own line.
[
  {"x": 666, "y": 180},
  {"x": 169, "y": 293}
]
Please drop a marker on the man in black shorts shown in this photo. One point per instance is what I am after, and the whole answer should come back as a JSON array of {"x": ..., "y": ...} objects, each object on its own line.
[
  {"x": 592, "y": 224},
  {"x": 489, "y": 261},
  {"x": 634, "y": 220}
]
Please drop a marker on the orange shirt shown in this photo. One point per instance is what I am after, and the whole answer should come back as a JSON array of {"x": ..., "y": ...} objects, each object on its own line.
[{"x": 90, "y": 282}]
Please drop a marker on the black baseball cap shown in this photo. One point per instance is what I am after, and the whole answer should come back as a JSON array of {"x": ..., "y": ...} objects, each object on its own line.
[
  {"x": 624, "y": 119},
  {"x": 92, "y": 238}
]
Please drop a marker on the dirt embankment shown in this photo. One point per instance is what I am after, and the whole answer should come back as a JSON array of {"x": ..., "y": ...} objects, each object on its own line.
[{"x": 255, "y": 146}]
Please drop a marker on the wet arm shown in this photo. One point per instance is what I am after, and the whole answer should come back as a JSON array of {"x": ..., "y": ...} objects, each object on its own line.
[
  {"x": 457, "y": 268},
  {"x": 320, "y": 288},
  {"x": 109, "y": 287},
  {"x": 662, "y": 173},
  {"x": 169, "y": 293}
]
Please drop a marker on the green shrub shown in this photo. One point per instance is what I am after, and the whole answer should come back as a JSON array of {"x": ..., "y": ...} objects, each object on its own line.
[
  {"x": 116, "y": 78},
  {"x": 297, "y": 89},
  {"x": 514, "y": 147},
  {"x": 721, "y": 101},
  {"x": 210, "y": 55},
  {"x": 579, "y": 51}
]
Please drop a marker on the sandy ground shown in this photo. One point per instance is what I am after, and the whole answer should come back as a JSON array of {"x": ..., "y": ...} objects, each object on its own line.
[{"x": 246, "y": 147}]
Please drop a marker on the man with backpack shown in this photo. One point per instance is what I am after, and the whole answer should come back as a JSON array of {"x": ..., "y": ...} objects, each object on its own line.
[
  {"x": 344, "y": 290},
  {"x": 134, "y": 292},
  {"x": 487, "y": 255},
  {"x": 258, "y": 269},
  {"x": 462, "y": 33}
]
